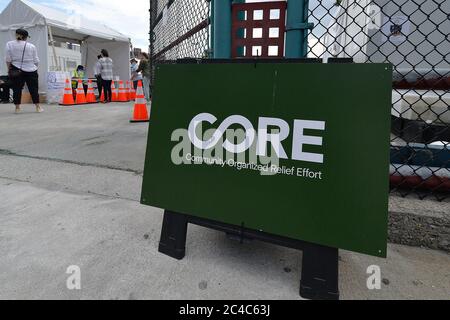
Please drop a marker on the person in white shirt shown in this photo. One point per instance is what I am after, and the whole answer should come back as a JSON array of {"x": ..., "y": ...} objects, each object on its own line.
[
  {"x": 22, "y": 62},
  {"x": 135, "y": 76}
]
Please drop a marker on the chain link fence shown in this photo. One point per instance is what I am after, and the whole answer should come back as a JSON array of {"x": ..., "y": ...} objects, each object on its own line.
[
  {"x": 413, "y": 35},
  {"x": 179, "y": 29}
]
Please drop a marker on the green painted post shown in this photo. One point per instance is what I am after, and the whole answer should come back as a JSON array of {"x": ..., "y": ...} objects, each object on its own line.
[
  {"x": 211, "y": 19},
  {"x": 297, "y": 29},
  {"x": 241, "y": 33},
  {"x": 222, "y": 29}
]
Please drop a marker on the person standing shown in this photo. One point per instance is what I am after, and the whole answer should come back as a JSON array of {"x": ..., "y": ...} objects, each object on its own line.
[
  {"x": 22, "y": 62},
  {"x": 135, "y": 76},
  {"x": 98, "y": 76},
  {"x": 107, "y": 74},
  {"x": 144, "y": 68}
]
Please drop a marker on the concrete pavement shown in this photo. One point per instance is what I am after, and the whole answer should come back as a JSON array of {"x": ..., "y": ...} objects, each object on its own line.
[
  {"x": 70, "y": 182},
  {"x": 96, "y": 135}
]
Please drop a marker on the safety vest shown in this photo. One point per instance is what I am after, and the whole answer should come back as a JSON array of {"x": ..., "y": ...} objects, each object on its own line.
[{"x": 78, "y": 75}]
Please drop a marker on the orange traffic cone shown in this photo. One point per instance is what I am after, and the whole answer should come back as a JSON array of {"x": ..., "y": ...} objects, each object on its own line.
[
  {"x": 140, "y": 107},
  {"x": 122, "y": 92},
  {"x": 115, "y": 94},
  {"x": 81, "y": 98},
  {"x": 90, "y": 97},
  {"x": 132, "y": 91},
  {"x": 68, "y": 95},
  {"x": 127, "y": 90}
]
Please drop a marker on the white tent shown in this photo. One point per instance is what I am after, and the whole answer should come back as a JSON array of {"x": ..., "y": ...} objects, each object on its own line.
[{"x": 43, "y": 22}]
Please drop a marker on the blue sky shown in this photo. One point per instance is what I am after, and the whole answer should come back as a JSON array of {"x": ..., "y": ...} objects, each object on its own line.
[{"x": 132, "y": 20}]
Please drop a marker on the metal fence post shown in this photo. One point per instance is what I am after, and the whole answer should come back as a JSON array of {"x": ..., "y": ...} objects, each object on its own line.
[
  {"x": 241, "y": 33},
  {"x": 151, "y": 35},
  {"x": 211, "y": 30},
  {"x": 297, "y": 29},
  {"x": 320, "y": 265},
  {"x": 222, "y": 29}
]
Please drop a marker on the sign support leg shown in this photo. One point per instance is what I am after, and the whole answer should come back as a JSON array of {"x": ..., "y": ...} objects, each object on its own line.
[
  {"x": 320, "y": 273},
  {"x": 320, "y": 265},
  {"x": 173, "y": 235}
]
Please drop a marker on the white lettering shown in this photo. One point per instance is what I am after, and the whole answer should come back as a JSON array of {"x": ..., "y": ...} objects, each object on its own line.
[
  {"x": 300, "y": 140},
  {"x": 275, "y": 139},
  {"x": 249, "y": 136}
]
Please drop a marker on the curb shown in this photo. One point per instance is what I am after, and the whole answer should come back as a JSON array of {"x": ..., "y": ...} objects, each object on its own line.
[
  {"x": 419, "y": 223},
  {"x": 419, "y": 231}
]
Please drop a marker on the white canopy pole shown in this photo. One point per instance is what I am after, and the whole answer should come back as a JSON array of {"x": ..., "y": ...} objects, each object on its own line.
[{"x": 52, "y": 42}]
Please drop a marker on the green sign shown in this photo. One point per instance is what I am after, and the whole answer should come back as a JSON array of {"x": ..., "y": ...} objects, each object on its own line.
[{"x": 292, "y": 149}]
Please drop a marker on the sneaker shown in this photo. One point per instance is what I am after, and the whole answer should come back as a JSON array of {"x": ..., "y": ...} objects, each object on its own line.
[
  {"x": 17, "y": 111},
  {"x": 39, "y": 110}
]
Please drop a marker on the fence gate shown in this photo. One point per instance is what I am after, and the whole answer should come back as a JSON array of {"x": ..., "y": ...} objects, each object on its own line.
[
  {"x": 179, "y": 29},
  {"x": 258, "y": 29}
]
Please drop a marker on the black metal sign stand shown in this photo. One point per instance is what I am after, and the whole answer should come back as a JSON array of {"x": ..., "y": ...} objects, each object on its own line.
[{"x": 320, "y": 265}]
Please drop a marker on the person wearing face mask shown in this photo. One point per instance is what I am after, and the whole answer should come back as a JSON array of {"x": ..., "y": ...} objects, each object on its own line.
[
  {"x": 79, "y": 74},
  {"x": 135, "y": 76},
  {"x": 144, "y": 67},
  {"x": 22, "y": 62}
]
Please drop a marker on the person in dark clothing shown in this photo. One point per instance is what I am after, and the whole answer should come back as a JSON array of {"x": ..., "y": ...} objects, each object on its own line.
[
  {"x": 5, "y": 87},
  {"x": 98, "y": 76}
]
